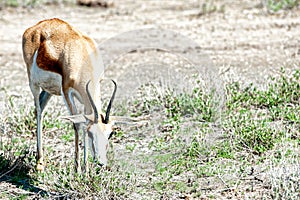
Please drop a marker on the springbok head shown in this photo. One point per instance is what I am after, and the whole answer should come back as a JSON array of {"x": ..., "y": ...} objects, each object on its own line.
[{"x": 99, "y": 128}]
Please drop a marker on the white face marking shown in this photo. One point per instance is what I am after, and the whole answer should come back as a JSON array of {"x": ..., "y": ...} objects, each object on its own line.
[
  {"x": 98, "y": 142},
  {"x": 48, "y": 81}
]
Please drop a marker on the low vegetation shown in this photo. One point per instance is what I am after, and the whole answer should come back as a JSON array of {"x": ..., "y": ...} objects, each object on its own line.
[
  {"x": 277, "y": 5},
  {"x": 182, "y": 152}
]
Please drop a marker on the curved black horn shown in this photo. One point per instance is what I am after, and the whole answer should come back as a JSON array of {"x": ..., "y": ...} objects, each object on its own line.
[
  {"x": 92, "y": 103},
  {"x": 110, "y": 103}
]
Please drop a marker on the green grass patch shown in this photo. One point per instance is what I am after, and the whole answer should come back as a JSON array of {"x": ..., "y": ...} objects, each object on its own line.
[
  {"x": 182, "y": 152},
  {"x": 277, "y": 5}
]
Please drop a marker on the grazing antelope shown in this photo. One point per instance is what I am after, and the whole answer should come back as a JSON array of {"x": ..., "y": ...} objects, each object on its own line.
[{"x": 62, "y": 61}]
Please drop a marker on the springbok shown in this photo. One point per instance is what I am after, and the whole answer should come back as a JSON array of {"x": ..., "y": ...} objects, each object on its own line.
[{"x": 62, "y": 61}]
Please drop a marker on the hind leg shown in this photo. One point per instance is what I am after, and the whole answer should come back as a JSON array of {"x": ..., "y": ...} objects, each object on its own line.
[{"x": 40, "y": 101}]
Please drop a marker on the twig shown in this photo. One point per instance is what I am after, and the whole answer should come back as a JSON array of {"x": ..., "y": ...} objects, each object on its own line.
[
  {"x": 226, "y": 189},
  {"x": 223, "y": 181},
  {"x": 51, "y": 130},
  {"x": 23, "y": 192},
  {"x": 55, "y": 157},
  {"x": 252, "y": 178}
]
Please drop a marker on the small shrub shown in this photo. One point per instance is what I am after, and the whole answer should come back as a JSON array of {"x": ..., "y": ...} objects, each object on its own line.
[{"x": 251, "y": 111}]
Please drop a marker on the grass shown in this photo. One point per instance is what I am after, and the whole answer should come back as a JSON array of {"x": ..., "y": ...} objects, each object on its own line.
[
  {"x": 181, "y": 153},
  {"x": 253, "y": 113},
  {"x": 277, "y": 5},
  {"x": 210, "y": 6}
]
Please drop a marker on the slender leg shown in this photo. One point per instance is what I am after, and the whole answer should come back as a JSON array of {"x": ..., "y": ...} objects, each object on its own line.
[
  {"x": 85, "y": 136},
  {"x": 40, "y": 104},
  {"x": 72, "y": 108},
  {"x": 85, "y": 151},
  {"x": 77, "y": 153},
  {"x": 39, "y": 136},
  {"x": 43, "y": 99},
  {"x": 77, "y": 127},
  {"x": 38, "y": 113}
]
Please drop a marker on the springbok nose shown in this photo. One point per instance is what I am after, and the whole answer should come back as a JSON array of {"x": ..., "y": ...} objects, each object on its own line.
[{"x": 99, "y": 163}]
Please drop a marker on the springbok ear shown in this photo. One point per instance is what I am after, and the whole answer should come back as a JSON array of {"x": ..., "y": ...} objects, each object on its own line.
[
  {"x": 89, "y": 117},
  {"x": 75, "y": 118},
  {"x": 131, "y": 121}
]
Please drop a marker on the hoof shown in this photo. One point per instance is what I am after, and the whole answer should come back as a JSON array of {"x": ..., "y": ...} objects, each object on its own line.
[{"x": 40, "y": 165}]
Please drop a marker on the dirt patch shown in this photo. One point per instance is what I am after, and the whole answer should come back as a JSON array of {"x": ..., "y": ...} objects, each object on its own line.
[{"x": 242, "y": 40}]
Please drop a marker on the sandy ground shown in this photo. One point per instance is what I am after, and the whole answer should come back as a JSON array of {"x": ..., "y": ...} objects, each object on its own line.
[{"x": 243, "y": 41}]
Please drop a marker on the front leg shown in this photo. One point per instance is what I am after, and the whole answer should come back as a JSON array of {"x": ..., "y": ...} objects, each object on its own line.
[
  {"x": 69, "y": 100},
  {"x": 85, "y": 150},
  {"x": 77, "y": 152}
]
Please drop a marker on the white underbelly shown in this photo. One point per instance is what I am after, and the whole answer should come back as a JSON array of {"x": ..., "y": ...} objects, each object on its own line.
[{"x": 48, "y": 81}]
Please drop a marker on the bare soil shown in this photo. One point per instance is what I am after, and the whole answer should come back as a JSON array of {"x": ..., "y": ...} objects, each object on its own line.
[{"x": 243, "y": 40}]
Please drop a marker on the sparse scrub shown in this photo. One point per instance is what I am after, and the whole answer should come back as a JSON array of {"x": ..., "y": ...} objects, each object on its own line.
[
  {"x": 252, "y": 112},
  {"x": 174, "y": 156},
  {"x": 197, "y": 104}
]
